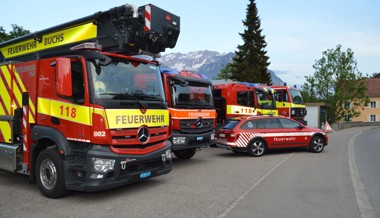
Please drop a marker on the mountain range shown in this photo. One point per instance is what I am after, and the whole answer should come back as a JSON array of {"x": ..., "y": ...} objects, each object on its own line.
[{"x": 206, "y": 62}]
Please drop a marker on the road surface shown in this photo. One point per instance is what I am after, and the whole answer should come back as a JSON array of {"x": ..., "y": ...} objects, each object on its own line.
[{"x": 342, "y": 181}]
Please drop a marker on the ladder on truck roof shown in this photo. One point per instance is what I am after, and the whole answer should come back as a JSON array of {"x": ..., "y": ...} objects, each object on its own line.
[{"x": 124, "y": 30}]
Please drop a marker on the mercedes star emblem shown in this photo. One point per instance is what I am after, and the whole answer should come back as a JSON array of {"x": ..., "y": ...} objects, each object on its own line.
[
  {"x": 199, "y": 122},
  {"x": 143, "y": 134}
]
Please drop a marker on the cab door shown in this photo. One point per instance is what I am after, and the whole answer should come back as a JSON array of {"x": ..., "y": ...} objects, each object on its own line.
[
  {"x": 295, "y": 134},
  {"x": 272, "y": 132}
]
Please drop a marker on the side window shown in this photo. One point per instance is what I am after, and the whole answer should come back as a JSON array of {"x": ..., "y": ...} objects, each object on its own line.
[
  {"x": 250, "y": 124},
  {"x": 78, "y": 82},
  {"x": 285, "y": 123},
  {"x": 245, "y": 98},
  {"x": 271, "y": 123},
  {"x": 242, "y": 98},
  {"x": 260, "y": 124}
]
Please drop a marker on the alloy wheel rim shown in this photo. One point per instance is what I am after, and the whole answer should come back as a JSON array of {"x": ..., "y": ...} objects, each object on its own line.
[
  {"x": 318, "y": 144},
  {"x": 258, "y": 148},
  {"x": 48, "y": 174}
]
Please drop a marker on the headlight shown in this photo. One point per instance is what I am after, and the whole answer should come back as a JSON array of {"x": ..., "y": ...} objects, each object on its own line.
[
  {"x": 212, "y": 136},
  {"x": 103, "y": 165},
  {"x": 179, "y": 140},
  {"x": 293, "y": 112},
  {"x": 168, "y": 154}
]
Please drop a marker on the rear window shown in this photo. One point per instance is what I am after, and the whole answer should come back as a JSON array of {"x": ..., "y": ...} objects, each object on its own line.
[{"x": 230, "y": 124}]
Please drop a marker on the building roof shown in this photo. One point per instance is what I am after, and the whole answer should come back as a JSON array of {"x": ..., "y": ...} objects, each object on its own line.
[{"x": 373, "y": 87}]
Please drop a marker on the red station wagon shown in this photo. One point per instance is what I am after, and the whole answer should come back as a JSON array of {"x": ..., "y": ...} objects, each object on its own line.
[{"x": 256, "y": 134}]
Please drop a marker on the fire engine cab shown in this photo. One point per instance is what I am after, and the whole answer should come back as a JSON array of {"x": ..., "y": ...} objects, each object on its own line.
[
  {"x": 243, "y": 99},
  {"x": 289, "y": 103},
  {"x": 71, "y": 116},
  {"x": 192, "y": 111}
]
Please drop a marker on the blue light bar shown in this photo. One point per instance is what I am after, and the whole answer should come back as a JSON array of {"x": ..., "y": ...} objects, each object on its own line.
[{"x": 168, "y": 71}]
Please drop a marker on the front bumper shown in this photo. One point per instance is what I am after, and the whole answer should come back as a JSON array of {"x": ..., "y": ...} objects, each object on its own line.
[
  {"x": 127, "y": 169},
  {"x": 192, "y": 140}
]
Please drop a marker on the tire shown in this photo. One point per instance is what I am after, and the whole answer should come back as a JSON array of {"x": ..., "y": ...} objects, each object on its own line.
[
  {"x": 185, "y": 154},
  {"x": 49, "y": 174},
  {"x": 317, "y": 144},
  {"x": 257, "y": 148}
]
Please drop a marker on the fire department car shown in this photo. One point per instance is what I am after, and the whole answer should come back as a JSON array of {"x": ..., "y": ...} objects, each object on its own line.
[{"x": 257, "y": 134}]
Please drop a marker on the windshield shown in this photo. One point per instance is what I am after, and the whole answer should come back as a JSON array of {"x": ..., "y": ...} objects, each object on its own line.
[
  {"x": 296, "y": 96},
  {"x": 266, "y": 100},
  {"x": 121, "y": 79},
  {"x": 193, "y": 95}
]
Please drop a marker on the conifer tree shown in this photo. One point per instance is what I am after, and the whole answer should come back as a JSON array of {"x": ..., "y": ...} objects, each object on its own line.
[{"x": 250, "y": 63}]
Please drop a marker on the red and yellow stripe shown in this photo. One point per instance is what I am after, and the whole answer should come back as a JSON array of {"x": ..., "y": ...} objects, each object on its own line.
[{"x": 11, "y": 90}]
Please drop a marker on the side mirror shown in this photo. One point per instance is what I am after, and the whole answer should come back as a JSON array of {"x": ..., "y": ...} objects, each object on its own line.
[{"x": 63, "y": 81}]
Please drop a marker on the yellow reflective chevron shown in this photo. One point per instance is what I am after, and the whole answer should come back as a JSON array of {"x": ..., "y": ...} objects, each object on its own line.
[
  {"x": 63, "y": 37},
  {"x": 5, "y": 131},
  {"x": 11, "y": 89}
]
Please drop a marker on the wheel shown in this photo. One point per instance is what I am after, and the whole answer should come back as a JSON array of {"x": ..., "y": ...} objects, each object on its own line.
[
  {"x": 185, "y": 154},
  {"x": 256, "y": 148},
  {"x": 49, "y": 174},
  {"x": 317, "y": 144}
]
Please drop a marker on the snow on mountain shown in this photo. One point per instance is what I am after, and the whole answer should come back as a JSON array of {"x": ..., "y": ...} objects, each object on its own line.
[{"x": 206, "y": 62}]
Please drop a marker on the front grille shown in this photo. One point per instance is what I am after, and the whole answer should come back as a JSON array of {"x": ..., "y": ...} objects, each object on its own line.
[
  {"x": 126, "y": 140},
  {"x": 299, "y": 111},
  {"x": 190, "y": 126}
]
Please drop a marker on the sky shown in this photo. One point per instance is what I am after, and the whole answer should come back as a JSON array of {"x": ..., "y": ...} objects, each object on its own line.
[{"x": 296, "y": 31}]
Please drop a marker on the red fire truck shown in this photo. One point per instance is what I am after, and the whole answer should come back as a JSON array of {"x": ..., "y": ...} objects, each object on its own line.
[
  {"x": 242, "y": 98},
  {"x": 70, "y": 115},
  {"x": 191, "y": 106},
  {"x": 289, "y": 103}
]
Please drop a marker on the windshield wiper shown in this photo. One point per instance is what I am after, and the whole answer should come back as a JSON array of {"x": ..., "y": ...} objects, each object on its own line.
[
  {"x": 125, "y": 96},
  {"x": 154, "y": 97},
  {"x": 159, "y": 99}
]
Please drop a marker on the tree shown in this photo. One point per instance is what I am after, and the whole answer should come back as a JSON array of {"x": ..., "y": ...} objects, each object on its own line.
[
  {"x": 225, "y": 73},
  {"x": 250, "y": 63},
  {"x": 16, "y": 32},
  {"x": 338, "y": 82}
]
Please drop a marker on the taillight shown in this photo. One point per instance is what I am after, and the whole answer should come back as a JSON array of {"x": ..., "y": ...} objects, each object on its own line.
[{"x": 230, "y": 136}]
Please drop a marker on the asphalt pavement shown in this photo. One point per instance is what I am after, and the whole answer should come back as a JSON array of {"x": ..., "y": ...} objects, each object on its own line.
[{"x": 220, "y": 183}]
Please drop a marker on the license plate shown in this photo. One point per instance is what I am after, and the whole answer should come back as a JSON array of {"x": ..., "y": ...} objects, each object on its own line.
[
  {"x": 199, "y": 138},
  {"x": 146, "y": 174},
  {"x": 222, "y": 135}
]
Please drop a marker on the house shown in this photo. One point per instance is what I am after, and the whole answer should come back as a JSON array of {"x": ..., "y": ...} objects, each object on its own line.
[{"x": 371, "y": 113}]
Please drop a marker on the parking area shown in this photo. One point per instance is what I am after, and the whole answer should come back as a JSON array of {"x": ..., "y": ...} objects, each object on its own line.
[{"x": 214, "y": 183}]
